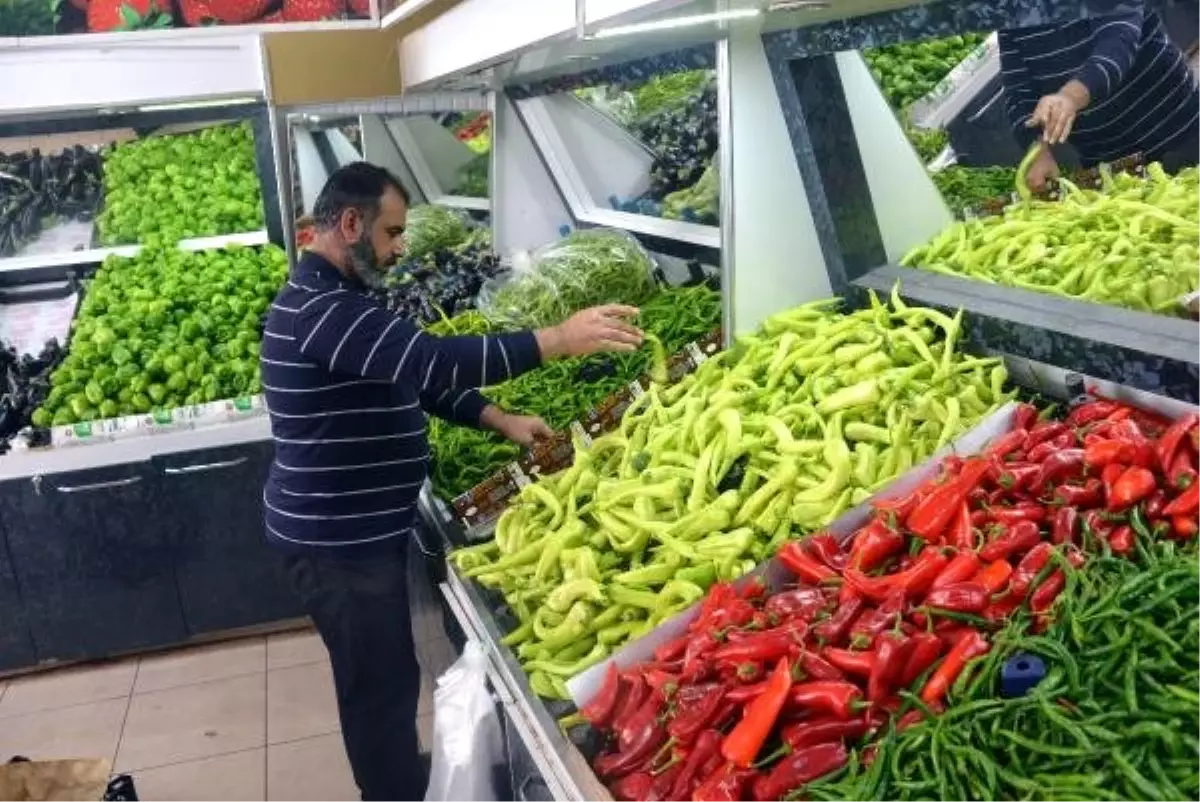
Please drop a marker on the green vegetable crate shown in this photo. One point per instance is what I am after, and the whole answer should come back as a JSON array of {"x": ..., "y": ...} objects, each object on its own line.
[
  {"x": 584, "y": 685},
  {"x": 479, "y": 507}
]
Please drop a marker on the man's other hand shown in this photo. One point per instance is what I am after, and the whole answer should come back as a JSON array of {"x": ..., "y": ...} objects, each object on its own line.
[
  {"x": 1056, "y": 113},
  {"x": 1044, "y": 168},
  {"x": 600, "y": 328},
  {"x": 524, "y": 430}
]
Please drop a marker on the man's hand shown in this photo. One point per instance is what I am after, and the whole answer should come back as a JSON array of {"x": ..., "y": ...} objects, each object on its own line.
[
  {"x": 524, "y": 430},
  {"x": 601, "y": 328},
  {"x": 1044, "y": 168},
  {"x": 1056, "y": 113}
]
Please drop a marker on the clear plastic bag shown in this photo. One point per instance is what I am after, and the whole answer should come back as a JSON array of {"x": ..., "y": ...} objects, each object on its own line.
[
  {"x": 585, "y": 268},
  {"x": 467, "y": 740}
]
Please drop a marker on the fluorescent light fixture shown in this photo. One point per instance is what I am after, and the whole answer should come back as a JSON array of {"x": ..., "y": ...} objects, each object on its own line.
[
  {"x": 675, "y": 22},
  {"x": 198, "y": 104}
]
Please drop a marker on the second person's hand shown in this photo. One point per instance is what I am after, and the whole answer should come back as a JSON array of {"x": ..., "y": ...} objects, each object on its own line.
[{"x": 600, "y": 328}]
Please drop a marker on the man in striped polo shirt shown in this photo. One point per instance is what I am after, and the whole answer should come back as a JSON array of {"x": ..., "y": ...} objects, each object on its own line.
[
  {"x": 347, "y": 385},
  {"x": 1113, "y": 85}
]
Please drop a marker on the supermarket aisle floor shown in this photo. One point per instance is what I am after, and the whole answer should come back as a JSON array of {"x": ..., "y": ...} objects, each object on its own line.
[{"x": 250, "y": 719}]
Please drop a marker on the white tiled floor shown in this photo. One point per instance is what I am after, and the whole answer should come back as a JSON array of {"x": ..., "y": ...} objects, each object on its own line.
[{"x": 250, "y": 719}]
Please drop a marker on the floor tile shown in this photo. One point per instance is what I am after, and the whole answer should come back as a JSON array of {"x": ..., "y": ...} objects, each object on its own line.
[
  {"x": 425, "y": 732},
  {"x": 313, "y": 768},
  {"x": 193, "y": 722},
  {"x": 301, "y": 703},
  {"x": 66, "y": 687},
  {"x": 201, "y": 664},
  {"x": 239, "y": 777},
  {"x": 83, "y": 731},
  {"x": 289, "y": 649}
]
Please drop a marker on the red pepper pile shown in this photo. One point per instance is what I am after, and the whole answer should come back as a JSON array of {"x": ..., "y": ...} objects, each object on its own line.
[{"x": 819, "y": 666}]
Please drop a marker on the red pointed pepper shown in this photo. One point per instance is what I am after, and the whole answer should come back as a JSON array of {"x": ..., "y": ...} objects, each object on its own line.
[
  {"x": 603, "y": 705},
  {"x": 962, "y": 533},
  {"x": 874, "y": 621},
  {"x": 1038, "y": 453},
  {"x": 934, "y": 512},
  {"x": 827, "y": 549},
  {"x": 795, "y": 559},
  {"x": 834, "y": 628},
  {"x": 636, "y": 787},
  {"x": 636, "y": 691},
  {"x": 697, "y": 714},
  {"x": 1066, "y": 463},
  {"x": 961, "y": 597},
  {"x": 890, "y": 657},
  {"x": 1172, "y": 438},
  {"x": 874, "y": 544},
  {"x": 1028, "y": 569},
  {"x": 800, "y": 604},
  {"x": 1186, "y": 503},
  {"x": 742, "y": 745},
  {"x": 800, "y": 768},
  {"x": 1134, "y": 485},
  {"x": 1024, "y": 511},
  {"x": 1089, "y": 494},
  {"x": 1007, "y": 443},
  {"x": 1090, "y": 412},
  {"x": 1120, "y": 540},
  {"x": 725, "y": 784},
  {"x": 838, "y": 699},
  {"x": 708, "y": 747},
  {"x": 1044, "y": 430},
  {"x": 994, "y": 576},
  {"x": 1183, "y": 470},
  {"x": 858, "y": 664},
  {"x": 968, "y": 647},
  {"x": 1025, "y": 416},
  {"x": 762, "y": 647},
  {"x": 964, "y": 566},
  {"x": 1185, "y": 527},
  {"x": 915, "y": 579},
  {"x": 1016, "y": 539},
  {"x": 811, "y": 732},
  {"x": 818, "y": 668},
  {"x": 924, "y": 652}
]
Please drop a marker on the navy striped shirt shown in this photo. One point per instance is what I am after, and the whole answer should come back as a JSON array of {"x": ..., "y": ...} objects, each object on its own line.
[
  {"x": 1143, "y": 96},
  {"x": 347, "y": 385}
]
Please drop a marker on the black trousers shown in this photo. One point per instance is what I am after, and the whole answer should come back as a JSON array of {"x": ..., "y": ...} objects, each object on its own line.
[{"x": 360, "y": 608}]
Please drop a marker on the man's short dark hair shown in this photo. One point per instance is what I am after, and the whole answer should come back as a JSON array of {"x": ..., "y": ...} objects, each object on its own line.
[{"x": 357, "y": 185}]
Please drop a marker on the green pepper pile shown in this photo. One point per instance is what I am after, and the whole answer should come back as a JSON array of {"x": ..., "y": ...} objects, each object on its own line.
[
  {"x": 585, "y": 268},
  {"x": 1132, "y": 243},
  {"x": 909, "y": 70},
  {"x": 164, "y": 329},
  {"x": 1116, "y": 717},
  {"x": 561, "y": 391},
  {"x": 705, "y": 478},
  {"x": 967, "y": 187},
  {"x": 163, "y": 189}
]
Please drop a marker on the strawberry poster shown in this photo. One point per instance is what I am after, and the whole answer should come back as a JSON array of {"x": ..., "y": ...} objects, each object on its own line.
[{"x": 50, "y": 17}]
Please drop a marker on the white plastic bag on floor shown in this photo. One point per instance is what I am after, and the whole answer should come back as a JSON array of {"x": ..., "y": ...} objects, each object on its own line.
[{"x": 467, "y": 742}]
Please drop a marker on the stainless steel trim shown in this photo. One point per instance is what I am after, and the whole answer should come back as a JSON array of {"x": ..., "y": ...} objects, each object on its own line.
[
  {"x": 725, "y": 134},
  {"x": 209, "y": 466},
  {"x": 580, "y": 19},
  {"x": 567, "y": 772},
  {"x": 126, "y": 482}
]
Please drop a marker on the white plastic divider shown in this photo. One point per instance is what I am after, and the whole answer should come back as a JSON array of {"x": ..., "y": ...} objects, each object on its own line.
[
  {"x": 95, "y": 255},
  {"x": 585, "y": 685}
]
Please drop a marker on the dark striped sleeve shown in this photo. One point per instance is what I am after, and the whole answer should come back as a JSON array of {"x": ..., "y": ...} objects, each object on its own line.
[
  {"x": 1114, "y": 48},
  {"x": 348, "y": 333},
  {"x": 457, "y": 406},
  {"x": 1019, "y": 97}
]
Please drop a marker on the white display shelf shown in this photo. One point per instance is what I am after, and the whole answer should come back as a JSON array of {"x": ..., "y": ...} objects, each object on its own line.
[{"x": 96, "y": 255}]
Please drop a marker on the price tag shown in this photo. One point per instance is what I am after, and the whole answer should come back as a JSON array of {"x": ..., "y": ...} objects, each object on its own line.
[
  {"x": 698, "y": 356},
  {"x": 577, "y": 430},
  {"x": 518, "y": 475},
  {"x": 636, "y": 389}
]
